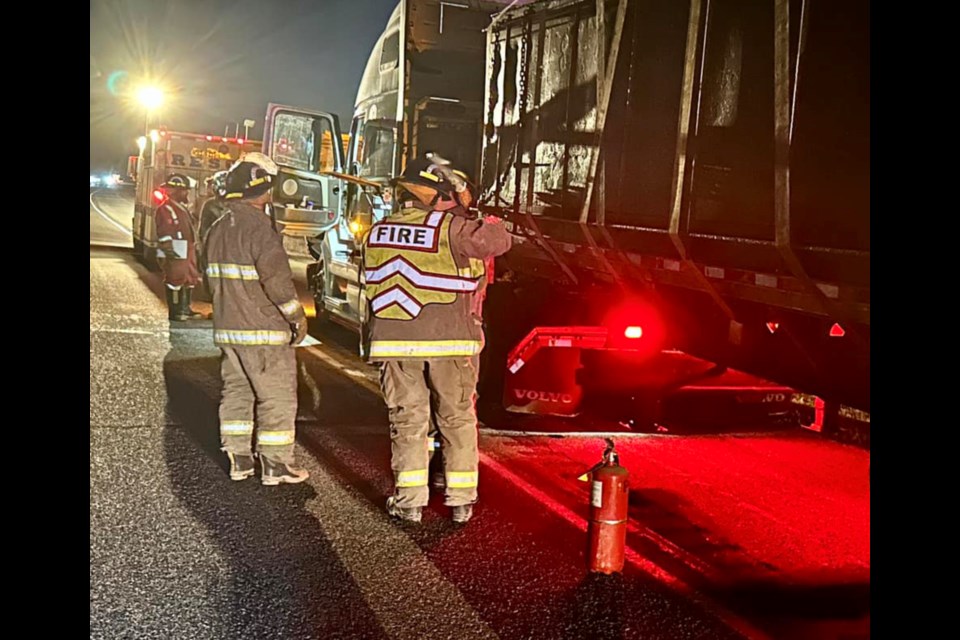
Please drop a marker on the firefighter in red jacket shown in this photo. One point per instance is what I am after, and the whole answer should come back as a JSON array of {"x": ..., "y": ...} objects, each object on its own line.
[{"x": 180, "y": 272}]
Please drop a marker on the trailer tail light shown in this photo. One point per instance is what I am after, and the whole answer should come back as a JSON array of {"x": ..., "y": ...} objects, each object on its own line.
[
  {"x": 635, "y": 327},
  {"x": 836, "y": 331}
]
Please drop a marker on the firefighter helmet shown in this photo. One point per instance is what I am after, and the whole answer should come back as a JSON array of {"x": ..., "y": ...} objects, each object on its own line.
[
  {"x": 177, "y": 181},
  {"x": 251, "y": 176},
  {"x": 218, "y": 183},
  {"x": 262, "y": 160},
  {"x": 426, "y": 181}
]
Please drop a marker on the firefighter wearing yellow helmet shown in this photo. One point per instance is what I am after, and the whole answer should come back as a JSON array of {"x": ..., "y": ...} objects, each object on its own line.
[
  {"x": 423, "y": 269},
  {"x": 257, "y": 318}
]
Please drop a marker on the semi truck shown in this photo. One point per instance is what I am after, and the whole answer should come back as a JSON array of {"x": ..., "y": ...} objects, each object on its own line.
[{"x": 682, "y": 176}]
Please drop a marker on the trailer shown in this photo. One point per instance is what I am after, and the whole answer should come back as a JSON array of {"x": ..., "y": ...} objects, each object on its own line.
[
  {"x": 705, "y": 161},
  {"x": 681, "y": 176}
]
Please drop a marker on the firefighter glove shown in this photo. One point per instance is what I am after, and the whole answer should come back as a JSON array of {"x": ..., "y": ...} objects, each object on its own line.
[{"x": 299, "y": 328}]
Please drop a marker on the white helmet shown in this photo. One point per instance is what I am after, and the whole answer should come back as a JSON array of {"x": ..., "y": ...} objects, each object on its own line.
[
  {"x": 251, "y": 176},
  {"x": 262, "y": 160}
]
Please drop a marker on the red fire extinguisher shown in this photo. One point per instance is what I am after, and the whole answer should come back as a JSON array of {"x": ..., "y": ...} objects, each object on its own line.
[{"x": 607, "y": 528}]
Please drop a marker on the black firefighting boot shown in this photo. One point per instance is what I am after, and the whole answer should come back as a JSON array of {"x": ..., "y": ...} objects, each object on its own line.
[
  {"x": 407, "y": 514},
  {"x": 274, "y": 472},
  {"x": 241, "y": 465},
  {"x": 187, "y": 313},
  {"x": 462, "y": 513},
  {"x": 174, "y": 297}
]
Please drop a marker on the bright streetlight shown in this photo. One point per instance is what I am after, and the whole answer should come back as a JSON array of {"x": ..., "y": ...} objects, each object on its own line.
[{"x": 150, "y": 97}]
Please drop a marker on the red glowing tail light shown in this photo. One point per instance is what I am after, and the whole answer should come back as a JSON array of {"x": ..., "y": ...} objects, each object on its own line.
[
  {"x": 633, "y": 332},
  {"x": 159, "y": 196},
  {"x": 836, "y": 331},
  {"x": 634, "y": 325}
]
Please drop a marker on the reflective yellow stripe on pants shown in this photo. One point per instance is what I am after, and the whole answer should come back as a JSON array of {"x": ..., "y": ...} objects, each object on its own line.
[
  {"x": 275, "y": 438},
  {"x": 461, "y": 479},
  {"x": 416, "y": 478},
  {"x": 236, "y": 428}
]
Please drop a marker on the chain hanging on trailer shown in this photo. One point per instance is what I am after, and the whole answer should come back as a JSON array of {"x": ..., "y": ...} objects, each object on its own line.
[{"x": 523, "y": 53}]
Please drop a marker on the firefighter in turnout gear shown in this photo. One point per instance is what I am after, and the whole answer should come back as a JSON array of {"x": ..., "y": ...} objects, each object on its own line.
[
  {"x": 214, "y": 206},
  {"x": 176, "y": 248},
  {"x": 423, "y": 268},
  {"x": 212, "y": 210},
  {"x": 257, "y": 319}
]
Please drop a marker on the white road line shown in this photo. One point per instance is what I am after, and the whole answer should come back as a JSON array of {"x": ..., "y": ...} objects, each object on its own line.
[
  {"x": 364, "y": 380},
  {"x": 508, "y": 433},
  {"x": 139, "y": 332},
  {"x": 106, "y": 217}
]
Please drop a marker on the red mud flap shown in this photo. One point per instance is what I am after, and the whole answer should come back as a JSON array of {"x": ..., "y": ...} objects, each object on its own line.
[
  {"x": 549, "y": 375},
  {"x": 718, "y": 405},
  {"x": 542, "y": 369}
]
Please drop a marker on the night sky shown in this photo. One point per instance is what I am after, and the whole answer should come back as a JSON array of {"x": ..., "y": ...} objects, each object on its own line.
[{"x": 226, "y": 59}]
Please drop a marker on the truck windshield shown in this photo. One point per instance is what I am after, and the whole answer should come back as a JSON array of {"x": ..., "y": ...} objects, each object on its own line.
[
  {"x": 303, "y": 142},
  {"x": 376, "y": 148}
]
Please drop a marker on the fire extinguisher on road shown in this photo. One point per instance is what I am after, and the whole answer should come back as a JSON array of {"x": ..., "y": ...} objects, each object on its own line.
[{"x": 607, "y": 527}]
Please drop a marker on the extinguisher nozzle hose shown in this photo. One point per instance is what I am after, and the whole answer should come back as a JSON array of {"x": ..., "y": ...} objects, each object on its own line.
[{"x": 610, "y": 455}]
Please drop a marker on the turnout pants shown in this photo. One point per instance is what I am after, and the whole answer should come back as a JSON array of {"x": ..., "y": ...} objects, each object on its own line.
[
  {"x": 259, "y": 386},
  {"x": 408, "y": 386}
]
